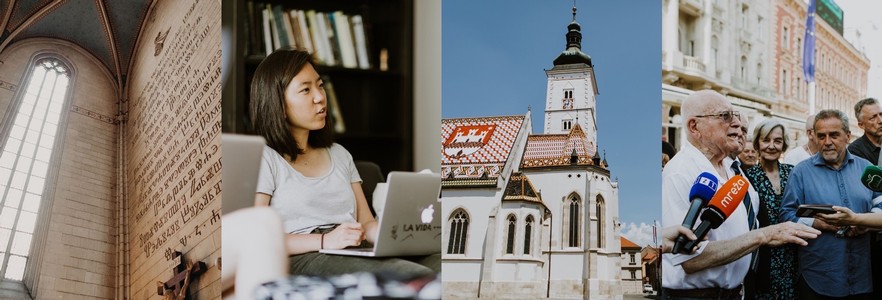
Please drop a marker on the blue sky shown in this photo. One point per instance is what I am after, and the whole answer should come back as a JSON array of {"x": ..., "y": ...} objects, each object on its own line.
[{"x": 494, "y": 54}]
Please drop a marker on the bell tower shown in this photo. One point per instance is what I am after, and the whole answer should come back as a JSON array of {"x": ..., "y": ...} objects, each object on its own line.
[{"x": 572, "y": 90}]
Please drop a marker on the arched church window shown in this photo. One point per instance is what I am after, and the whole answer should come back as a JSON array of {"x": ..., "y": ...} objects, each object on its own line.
[
  {"x": 510, "y": 242},
  {"x": 25, "y": 158},
  {"x": 528, "y": 234},
  {"x": 459, "y": 228},
  {"x": 567, "y": 124},
  {"x": 600, "y": 229},
  {"x": 572, "y": 220}
]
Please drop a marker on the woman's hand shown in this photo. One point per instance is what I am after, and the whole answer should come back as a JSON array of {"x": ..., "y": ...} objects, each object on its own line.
[
  {"x": 669, "y": 236},
  {"x": 345, "y": 235},
  {"x": 843, "y": 216}
]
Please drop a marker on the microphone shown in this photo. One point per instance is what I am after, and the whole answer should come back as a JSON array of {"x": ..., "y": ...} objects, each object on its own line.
[
  {"x": 872, "y": 178},
  {"x": 724, "y": 202},
  {"x": 702, "y": 191}
]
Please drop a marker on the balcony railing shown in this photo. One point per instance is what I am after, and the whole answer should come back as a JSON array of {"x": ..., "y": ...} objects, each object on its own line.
[{"x": 693, "y": 64}]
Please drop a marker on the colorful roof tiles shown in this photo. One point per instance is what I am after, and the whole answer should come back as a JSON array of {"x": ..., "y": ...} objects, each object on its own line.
[
  {"x": 545, "y": 150},
  {"x": 475, "y": 150},
  {"x": 520, "y": 188}
]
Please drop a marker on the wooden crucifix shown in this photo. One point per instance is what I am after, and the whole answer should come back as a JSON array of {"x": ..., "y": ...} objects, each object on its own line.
[{"x": 176, "y": 288}]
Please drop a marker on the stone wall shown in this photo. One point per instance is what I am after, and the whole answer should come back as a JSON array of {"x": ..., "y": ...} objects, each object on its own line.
[
  {"x": 74, "y": 251},
  {"x": 172, "y": 146}
]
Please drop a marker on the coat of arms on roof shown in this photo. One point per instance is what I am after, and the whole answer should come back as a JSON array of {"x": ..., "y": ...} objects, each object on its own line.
[{"x": 466, "y": 140}]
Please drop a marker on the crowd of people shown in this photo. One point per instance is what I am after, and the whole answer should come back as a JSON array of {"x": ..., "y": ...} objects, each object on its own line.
[{"x": 764, "y": 249}]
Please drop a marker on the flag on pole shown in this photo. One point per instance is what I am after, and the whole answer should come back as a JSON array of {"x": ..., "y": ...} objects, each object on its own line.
[{"x": 808, "y": 49}]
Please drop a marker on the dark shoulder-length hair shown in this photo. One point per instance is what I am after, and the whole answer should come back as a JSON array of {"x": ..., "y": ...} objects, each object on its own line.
[{"x": 267, "y": 107}]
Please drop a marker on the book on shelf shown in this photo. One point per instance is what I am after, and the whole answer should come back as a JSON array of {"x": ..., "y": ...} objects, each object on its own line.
[
  {"x": 314, "y": 32},
  {"x": 267, "y": 32},
  {"x": 334, "y": 38},
  {"x": 347, "y": 48},
  {"x": 334, "y": 106},
  {"x": 305, "y": 35},
  {"x": 327, "y": 36},
  {"x": 360, "y": 42}
]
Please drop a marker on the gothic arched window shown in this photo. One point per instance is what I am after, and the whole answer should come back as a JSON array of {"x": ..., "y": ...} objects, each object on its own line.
[
  {"x": 459, "y": 229},
  {"x": 25, "y": 159},
  {"x": 510, "y": 242},
  {"x": 600, "y": 228},
  {"x": 528, "y": 234},
  {"x": 572, "y": 220}
]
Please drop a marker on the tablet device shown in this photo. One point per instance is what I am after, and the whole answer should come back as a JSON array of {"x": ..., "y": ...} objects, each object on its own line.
[{"x": 810, "y": 210}]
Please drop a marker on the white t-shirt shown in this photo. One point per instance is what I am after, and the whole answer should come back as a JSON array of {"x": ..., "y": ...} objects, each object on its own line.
[
  {"x": 305, "y": 203},
  {"x": 795, "y": 156},
  {"x": 677, "y": 179}
]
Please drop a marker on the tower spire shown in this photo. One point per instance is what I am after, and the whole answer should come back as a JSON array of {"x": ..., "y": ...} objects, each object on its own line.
[{"x": 572, "y": 53}]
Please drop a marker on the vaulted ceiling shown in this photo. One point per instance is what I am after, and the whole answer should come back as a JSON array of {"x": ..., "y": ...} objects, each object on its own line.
[{"x": 108, "y": 29}]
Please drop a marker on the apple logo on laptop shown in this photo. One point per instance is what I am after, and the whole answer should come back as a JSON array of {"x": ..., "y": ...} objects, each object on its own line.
[{"x": 427, "y": 214}]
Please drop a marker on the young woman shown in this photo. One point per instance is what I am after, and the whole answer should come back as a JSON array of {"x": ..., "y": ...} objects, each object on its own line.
[
  {"x": 776, "y": 269},
  {"x": 309, "y": 180}
]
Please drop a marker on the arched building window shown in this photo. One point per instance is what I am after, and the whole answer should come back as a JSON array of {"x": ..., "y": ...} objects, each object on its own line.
[
  {"x": 459, "y": 229},
  {"x": 510, "y": 241},
  {"x": 528, "y": 234},
  {"x": 25, "y": 159},
  {"x": 600, "y": 229},
  {"x": 572, "y": 220}
]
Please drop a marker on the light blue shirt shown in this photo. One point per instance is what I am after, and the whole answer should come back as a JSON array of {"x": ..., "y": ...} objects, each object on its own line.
[{"x": 832, "y": 266}]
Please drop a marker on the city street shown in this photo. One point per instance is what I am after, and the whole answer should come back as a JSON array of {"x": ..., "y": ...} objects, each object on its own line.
[{"x": 636, "y": 297}]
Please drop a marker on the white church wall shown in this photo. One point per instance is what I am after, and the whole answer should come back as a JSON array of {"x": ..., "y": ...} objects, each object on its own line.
[{"x": 464, "y": 272}]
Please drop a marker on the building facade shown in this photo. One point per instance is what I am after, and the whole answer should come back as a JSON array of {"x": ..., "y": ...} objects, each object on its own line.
[
  {"x": 751, "y": 52},
  {"x": 840, "y": 69},
  {"x": 532, "y": 215},
  {"x": 719, "y": 45},
  {"x": 632, "y": 267}
]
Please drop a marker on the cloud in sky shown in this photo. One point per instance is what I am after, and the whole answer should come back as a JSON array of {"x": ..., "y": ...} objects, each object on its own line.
[{"x": 640, "y": 234}]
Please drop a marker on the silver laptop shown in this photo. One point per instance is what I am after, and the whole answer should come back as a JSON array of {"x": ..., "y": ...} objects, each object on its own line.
[
  {"x": 411, "y": 220},
  {"x": 240, "y": 159}
]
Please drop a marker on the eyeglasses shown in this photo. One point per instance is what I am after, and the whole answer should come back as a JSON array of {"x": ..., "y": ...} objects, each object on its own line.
[{"x": 727, "y": 116}]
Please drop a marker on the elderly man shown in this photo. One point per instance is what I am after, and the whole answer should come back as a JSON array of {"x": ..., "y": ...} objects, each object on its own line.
[
  {"x": 798, "y": 154},
  {"x": 748, "y": 156},
  {"x": 718, "y": 266},
  {"x": 832, "y": 265}
]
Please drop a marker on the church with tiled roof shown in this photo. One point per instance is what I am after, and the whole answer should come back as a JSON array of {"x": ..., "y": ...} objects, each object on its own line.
[{"x": 532, "y": 215}]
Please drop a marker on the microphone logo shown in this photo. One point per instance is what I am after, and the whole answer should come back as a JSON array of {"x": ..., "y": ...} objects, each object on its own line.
[
  {"x": 707, "y": 182},
  {"x": 733, "y": 192},
  {"x": 874, "y": 182}
]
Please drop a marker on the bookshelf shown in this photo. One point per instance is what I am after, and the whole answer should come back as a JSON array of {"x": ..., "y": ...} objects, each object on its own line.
[{"x": 376, "y": 105}]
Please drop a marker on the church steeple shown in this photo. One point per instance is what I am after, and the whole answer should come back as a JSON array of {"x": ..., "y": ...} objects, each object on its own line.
[
  {"x": 573, "y": 53},
  {"x": 570, "y": 99}
]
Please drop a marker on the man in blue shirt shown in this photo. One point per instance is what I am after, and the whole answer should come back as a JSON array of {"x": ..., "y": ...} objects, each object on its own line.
[{"x": 831, "y": 266}]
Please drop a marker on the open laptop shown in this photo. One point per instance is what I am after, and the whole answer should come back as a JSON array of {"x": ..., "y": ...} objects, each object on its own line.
[
  {"x": 240, "y": 159},
  {"x": 410, "y": 223}
]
